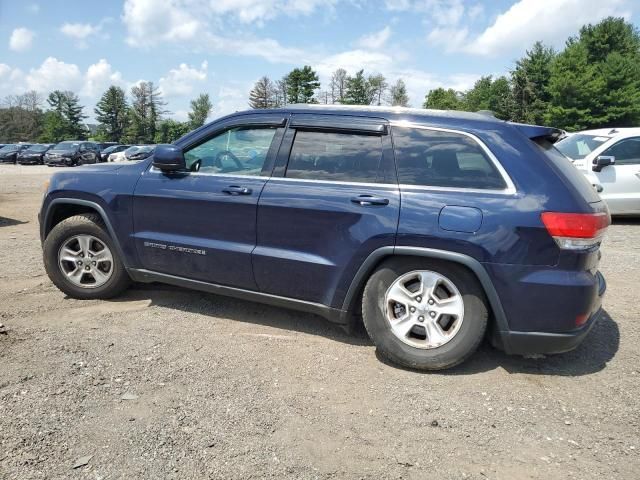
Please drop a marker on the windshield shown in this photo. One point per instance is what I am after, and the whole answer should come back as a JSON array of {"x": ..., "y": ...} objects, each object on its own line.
[
  {"x": 8, "y": 148},
  {"x": 578, "y": 146},
  {"x": 67, "y": 146},
  {"x": 38, "y": 148}
]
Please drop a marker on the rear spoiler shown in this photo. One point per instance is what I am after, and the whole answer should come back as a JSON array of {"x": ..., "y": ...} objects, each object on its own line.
[{"x": 535, "y": 132}]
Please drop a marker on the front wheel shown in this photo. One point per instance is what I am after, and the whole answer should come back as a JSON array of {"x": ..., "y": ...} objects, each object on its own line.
[
  {"x": 81, "y": 259},
  {"x": 424, "y": 314}
]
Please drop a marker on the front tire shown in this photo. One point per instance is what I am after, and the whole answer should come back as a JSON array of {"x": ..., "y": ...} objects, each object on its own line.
[
  {"x": 81, "y": 259},
  {"x": 424, "y": 314}
]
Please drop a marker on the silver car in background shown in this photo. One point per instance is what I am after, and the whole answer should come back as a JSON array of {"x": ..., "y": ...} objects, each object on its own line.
[{"x": 610, "y": 159}]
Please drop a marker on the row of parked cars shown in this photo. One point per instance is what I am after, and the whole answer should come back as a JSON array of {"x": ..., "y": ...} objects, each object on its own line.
[{"x": 71, "y": 153}]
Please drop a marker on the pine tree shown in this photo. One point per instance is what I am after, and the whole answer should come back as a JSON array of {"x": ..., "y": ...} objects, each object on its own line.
[
  {"x": 301, "y": 85},
  {"x": 398, "y": 94},
  {"x": 263, "y": 95},
  {"x": 378, "y": 86},
  {"x": 112, "y": 114},
  {"x": 67, "y": 105},
  {"x": 201, "y": 108},
  {"x": 530, "y": 84},
  {"x": 146, "y": 111},
  {"x": 358, "y": 90}
]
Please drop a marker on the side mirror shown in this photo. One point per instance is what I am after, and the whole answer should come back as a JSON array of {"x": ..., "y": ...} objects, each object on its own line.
[
  {"x": 168, "y": 158},
  {"x": 602, "y": 161}
]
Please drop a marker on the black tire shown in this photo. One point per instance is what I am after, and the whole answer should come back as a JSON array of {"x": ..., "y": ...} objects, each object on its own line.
[
  {"x": 456, "y": 350},
  {"x": 88, "y": 224}
]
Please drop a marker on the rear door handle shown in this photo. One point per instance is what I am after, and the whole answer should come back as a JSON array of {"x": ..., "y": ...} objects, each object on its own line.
[
  {"x": 237, "y": 190},
  {"x": 368, "y": 200}
]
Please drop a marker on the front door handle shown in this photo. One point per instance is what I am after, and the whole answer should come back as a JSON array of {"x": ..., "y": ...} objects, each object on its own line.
[
  {"x": 237, "y": 190},
  {"x": 368, "y": 200}
]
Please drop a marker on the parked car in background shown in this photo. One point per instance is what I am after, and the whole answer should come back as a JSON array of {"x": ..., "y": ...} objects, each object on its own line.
[
  {"x": 610, "y": 159},
  {"x": 72, "y": 153},
  {"x": 34, "y": 155},
  {"x": 435, "y": 228},
  {"x": 104, "y": 154},
  {"x": 135, "y": 152},
  {"x": 103, "y": 145},
  {"x": 9, "y": 153}
]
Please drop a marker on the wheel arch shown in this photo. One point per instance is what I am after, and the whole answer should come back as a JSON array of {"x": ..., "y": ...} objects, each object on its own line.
[
  {"x": 380, "y": 255},
  {"x": 62, "y": 208}
]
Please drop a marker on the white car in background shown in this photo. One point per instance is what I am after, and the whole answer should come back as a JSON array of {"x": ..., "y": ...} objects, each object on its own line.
[
  {"x": 610, "y": 159},
  {"x": 136, "y": 152}
]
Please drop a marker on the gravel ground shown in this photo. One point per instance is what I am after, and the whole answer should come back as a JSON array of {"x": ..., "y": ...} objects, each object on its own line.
[{"x": 170, "y": 383}]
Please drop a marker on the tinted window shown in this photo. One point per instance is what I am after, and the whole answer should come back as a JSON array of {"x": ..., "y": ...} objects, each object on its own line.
[
  {"x": 239, "y": 151},
  {"x": 627, "y": 152},
  {"x": 443, "y": 159},
  {"x": 341, "y": 157}
]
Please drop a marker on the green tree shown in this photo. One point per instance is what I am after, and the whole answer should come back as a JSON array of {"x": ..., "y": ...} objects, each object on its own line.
[
  {"x": 21, "y": 117},
  {"x": 263, "y": 94},
  {"x": 444, "y": 99},
  {"x": 595, "y": 80},
  {"x": 201, "y": 108},
  {"x": 169, "y": 131},
  {"x": 398, "y": 94},
  {"x": 67, "y": 105},
  {"x": 112, "y": 115},
  {"x": 358, "y": 90},
  {"x": 530, "y": 84},
  {"x": 301, "y": 85},
  {"x": 492, "y": 95},
  {"x": 378, "y": 86},
  {"x": 146, "y": 111},
  {"x": 54, "y": 127}
]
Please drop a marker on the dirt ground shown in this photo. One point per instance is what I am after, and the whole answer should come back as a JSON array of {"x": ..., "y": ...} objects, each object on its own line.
[{"x": 170, "y": 383}]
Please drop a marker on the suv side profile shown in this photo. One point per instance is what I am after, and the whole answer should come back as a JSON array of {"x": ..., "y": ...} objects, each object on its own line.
[{"x": 436, "y": 228}]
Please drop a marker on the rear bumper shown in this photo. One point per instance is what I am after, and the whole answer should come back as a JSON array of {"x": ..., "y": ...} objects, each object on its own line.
[{"x": 525, "y": 343}]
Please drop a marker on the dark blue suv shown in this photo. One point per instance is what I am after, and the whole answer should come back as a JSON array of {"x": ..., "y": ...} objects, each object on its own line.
[{"x": 435, "y": 228}]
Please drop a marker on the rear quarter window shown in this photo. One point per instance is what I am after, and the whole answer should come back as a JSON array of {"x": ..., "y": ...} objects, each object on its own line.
[
  {"x": 571, "y": 174},
  {"x": 443, "y": 159}
]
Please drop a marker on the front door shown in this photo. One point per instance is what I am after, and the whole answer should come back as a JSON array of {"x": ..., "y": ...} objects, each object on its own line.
[
  {"x": 201, "y": 224},
  {"x": 332, "y": 200},
  {"x": 621, "y": 181}
]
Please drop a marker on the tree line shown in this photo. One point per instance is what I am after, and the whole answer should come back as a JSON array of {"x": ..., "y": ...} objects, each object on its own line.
[
  {"x": 302, "y": 85},
  {"x": 138, "y": 121},
  {"x": 593, "y": 82}
]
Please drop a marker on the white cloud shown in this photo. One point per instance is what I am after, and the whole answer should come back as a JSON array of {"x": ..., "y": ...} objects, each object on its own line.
[
  {"x": 150, "y": 22},
  {"x": 54, "y": 74},
  {"x": 99, "y": 77},
  {"x": 230, "y": 100},
  {"x": 181, "y": 80},
  {"x": 21, "y": 39},
  {"x": 80, "y": 31},
  {"x": 551, "y": 21},
  {"x": 375, "y": 40}
]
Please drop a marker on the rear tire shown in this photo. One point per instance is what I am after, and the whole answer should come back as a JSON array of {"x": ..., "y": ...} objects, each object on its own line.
[
  {"x": 455, "y": 335},
  {"x": 59, "y": 259}
]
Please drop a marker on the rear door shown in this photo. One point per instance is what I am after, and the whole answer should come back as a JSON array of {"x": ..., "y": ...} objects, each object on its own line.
[
  {"x": 621, "y": 181},
  {"x": 201, "y": 224},
  {"x": 332, "y": 200}
]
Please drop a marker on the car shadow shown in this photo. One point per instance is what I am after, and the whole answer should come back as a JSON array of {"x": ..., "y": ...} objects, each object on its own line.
[
  {"x": 591, "y": 356},
  {"x": 10, "y": 222}
]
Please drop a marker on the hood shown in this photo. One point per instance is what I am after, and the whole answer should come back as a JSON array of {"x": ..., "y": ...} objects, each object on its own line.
[{"x": 7, "y": 154}]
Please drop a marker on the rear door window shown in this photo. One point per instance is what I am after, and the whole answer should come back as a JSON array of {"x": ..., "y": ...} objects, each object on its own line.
[
  {"x": 443, "y": 159},
  {"x": 335, "y": 156}
]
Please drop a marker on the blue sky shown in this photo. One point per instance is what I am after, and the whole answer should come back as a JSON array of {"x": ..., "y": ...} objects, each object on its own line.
[{"x": 222, "y": 46}]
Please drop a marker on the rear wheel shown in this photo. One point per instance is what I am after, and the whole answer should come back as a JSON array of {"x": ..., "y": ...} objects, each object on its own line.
[
  {"x": 81, "y": 259},
  {"x": 424, "y": 314}
]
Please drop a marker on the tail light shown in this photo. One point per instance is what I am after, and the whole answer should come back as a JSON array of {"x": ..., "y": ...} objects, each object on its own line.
[{"x": 576, "y": 231}]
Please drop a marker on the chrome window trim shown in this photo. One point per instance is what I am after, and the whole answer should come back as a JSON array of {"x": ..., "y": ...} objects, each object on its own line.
[{"x": 509, "y": 190}]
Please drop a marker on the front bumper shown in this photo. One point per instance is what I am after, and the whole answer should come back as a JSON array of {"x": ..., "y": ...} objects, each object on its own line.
[
  {"x": 29, "y": 160},
  {"x": 61, "y": 161},
  {"x": 526, "y": 343},
  {"x": 7, "y": 160}
]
